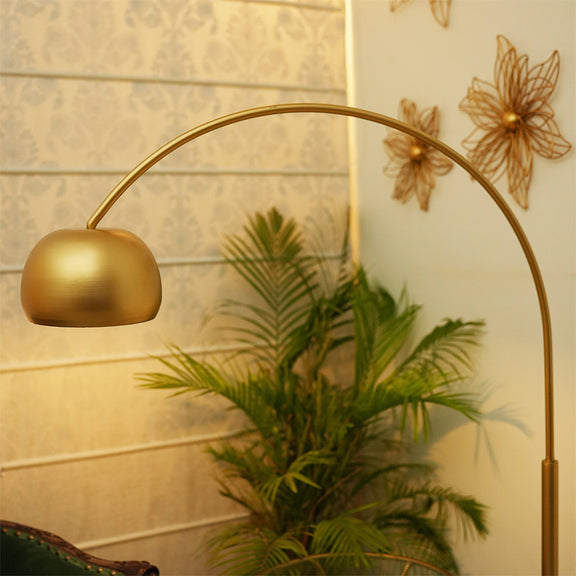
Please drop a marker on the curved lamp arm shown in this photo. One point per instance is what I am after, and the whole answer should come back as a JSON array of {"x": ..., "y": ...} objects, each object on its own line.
[{"x": 115, "y": 243}]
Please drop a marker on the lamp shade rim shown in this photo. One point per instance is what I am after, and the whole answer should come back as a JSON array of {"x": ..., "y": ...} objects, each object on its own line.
[{"x": 90, "y": 278}]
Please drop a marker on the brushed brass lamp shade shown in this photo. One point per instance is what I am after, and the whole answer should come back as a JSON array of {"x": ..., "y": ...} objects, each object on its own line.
[{"x": 90, "y": 278}]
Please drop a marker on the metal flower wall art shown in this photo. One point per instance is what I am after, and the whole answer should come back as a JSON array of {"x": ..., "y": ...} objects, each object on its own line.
[
  {"x": 513, "y": 119},
  {"x": 440, "y": 9},
  {"x": 413, "y": 163}
]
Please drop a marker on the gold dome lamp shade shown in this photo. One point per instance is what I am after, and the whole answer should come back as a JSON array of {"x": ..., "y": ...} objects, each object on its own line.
[{"x": 89, "y": 278}]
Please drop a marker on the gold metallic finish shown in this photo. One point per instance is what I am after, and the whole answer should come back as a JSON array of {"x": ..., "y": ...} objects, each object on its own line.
[
  {"x": 513, "y": 119},
  {"x": 549, "y": 518},
  {"x": 440, "y": 9},
  {"x": 413, "y": 165},
  {"x": 55, "y": 292},
  {"x": 416, "y": 152},
  {"x": 90, "y": 278}
]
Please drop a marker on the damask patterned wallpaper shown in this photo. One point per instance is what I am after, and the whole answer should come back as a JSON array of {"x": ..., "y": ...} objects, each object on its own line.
[{"x": 87, "y": 90}]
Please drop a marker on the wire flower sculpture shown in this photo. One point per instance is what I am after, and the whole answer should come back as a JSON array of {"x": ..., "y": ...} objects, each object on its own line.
[
  {"x": 440, "y": 9},
  {"x": 513, "y": 119},
  {"x": 413, "y": 163}
]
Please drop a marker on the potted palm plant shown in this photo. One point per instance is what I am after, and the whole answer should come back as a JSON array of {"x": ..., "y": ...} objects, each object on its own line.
[{"x": 323, "y": 468}]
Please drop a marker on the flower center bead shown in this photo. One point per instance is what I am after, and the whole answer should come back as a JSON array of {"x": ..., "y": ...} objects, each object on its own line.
[
  {"x": 511, "y": 121},
  {"x": 416, "y": 152}
]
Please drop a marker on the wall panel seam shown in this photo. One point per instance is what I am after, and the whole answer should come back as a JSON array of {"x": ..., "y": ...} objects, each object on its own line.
[
  {"x": 172, "y": 262},
  {"x": 156, "y": 532},
  {"x": 86, "y": 77},
  {"x": 87, "y": 171},
  {"x": 59, "y": 459},
  {"x": 292, "y": 4},
  {"x": 128, "y": 357}
]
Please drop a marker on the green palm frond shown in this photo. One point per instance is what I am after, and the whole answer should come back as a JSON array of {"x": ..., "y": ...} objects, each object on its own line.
[
  {"x": 445, "y": 351},
  {"x": 270, "y": 259},
  {"x": 243, "y": 462},
  {"x": 244, "y": 497},
  {"x": 426, "y": 377},
  {"x": 349, "y": 536},
  {"x": 421, "y": 538},
  {"x": 327, "y": 326},
  {"x": 245, "y": 549},
  {"x": 387, "y": 475},
  {"x": 413, "y": 401},
  {"x": 441, "y": 360},
  {"x": 381, "y": 330},
  {"x": 295, "y": 475},
  {"x": 436, "y": 502},
  {"x": 185, "y": 374}
]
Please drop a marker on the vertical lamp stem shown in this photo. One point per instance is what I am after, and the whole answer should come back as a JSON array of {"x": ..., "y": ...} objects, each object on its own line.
[{"x": 549, "y": 518}]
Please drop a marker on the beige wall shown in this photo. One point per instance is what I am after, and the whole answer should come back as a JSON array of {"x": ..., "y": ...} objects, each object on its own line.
[
  {"x": 461, "y": 259},
  {"x": 87, "y": 90}
]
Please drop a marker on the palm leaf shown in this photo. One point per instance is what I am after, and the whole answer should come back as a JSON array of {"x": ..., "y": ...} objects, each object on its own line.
[
  {"x": 295, "y": 475},
  {"x": 446, "y": 349},
  {"x": 421, "y": 538},
  {"x": 245, "y": 549},
  {"x": 381, "y": 330},
  {"x": 425, "y": 378},
  {"x": 349, "y": 536},
  {"x": 270, "y": 260},
  {"x": 387, "y": 474},
  {"x": 189, "y": 375},
  {"x": 435, "y": 502}
]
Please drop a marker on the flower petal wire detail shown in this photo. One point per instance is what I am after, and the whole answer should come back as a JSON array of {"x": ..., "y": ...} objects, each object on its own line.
[
  {"x": 440, "y": 9},
  {"x": 513, "y": 119},
  {"x": 413, "y": 163}
]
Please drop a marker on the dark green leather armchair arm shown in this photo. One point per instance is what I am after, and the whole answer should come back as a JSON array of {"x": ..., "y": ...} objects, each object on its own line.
[{"x": 27, "y": 551}]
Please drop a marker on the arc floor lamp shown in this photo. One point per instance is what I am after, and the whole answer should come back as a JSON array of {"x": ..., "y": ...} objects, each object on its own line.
[{"x": 107, "y": 277}]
